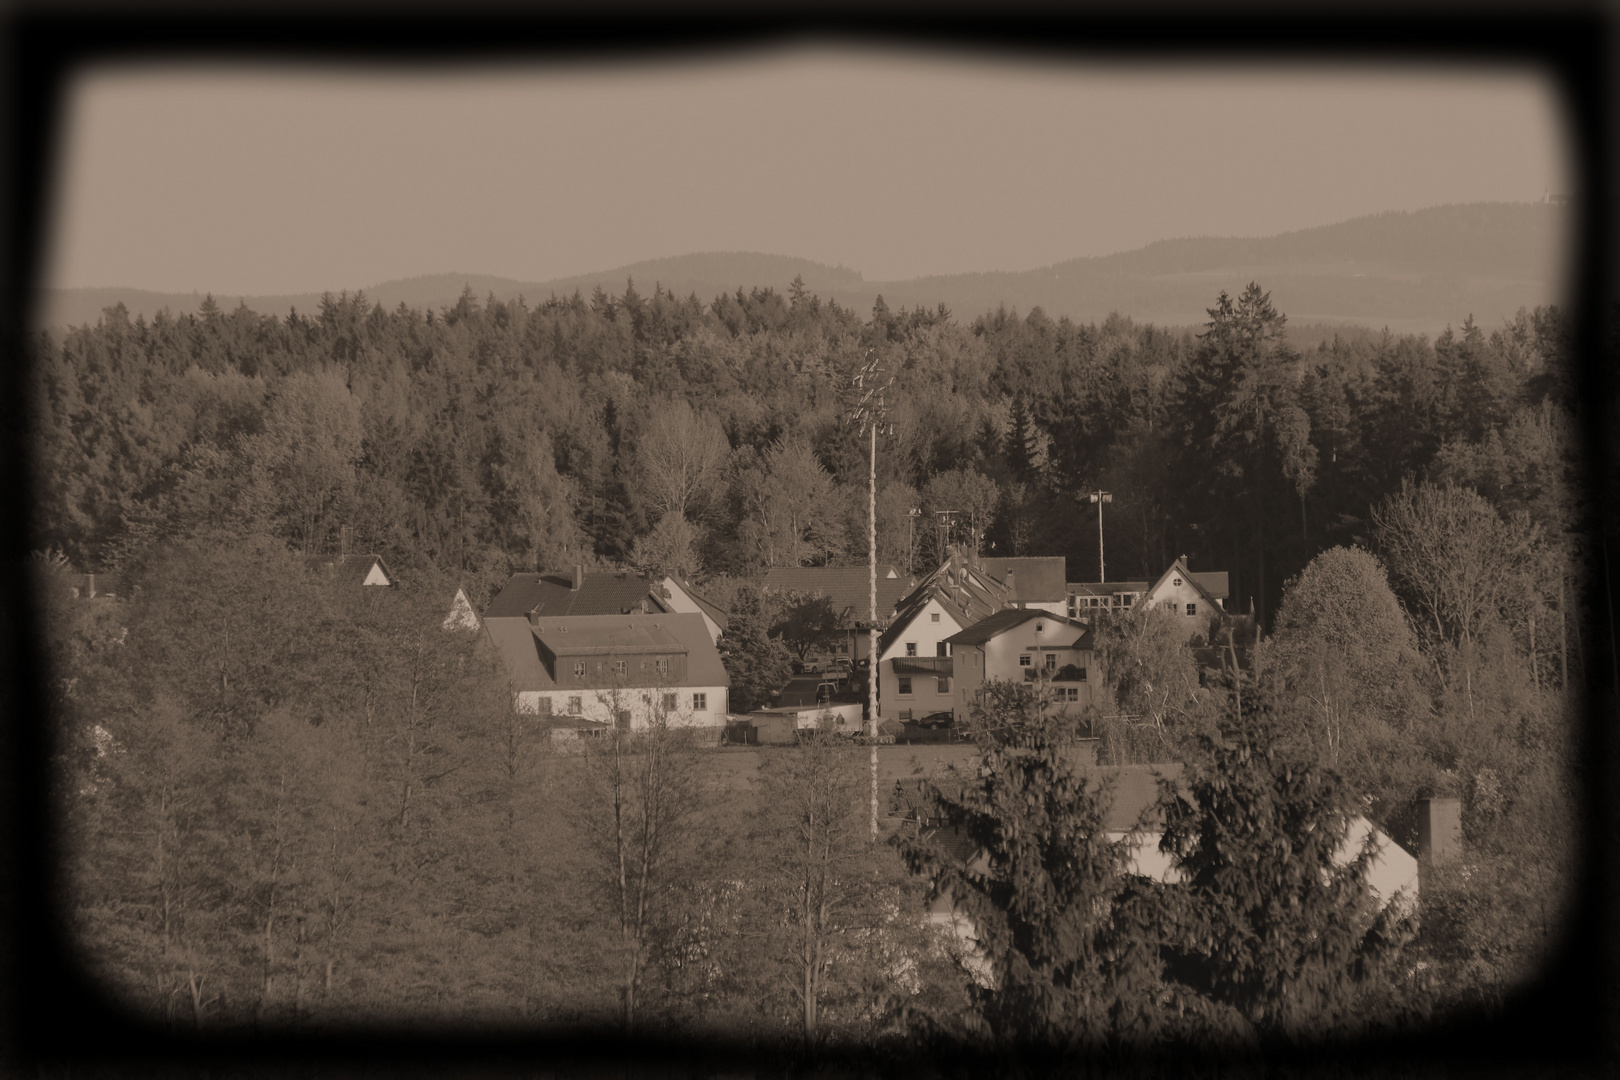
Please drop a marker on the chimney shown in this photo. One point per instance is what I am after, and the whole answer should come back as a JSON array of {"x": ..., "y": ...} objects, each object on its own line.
[
  {"x": 579, "y": 578},
  {"x": 1439, "y": 831}
]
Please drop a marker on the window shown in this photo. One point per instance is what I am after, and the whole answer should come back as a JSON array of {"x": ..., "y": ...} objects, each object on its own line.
[
  {"x": 905, "y": 685},
  {"x": 933, "y": 616},
  {"x": 662, "y": 666},
  {"x": 621, "y": 667},
  {"x": 622, "y": 720},
  {"x": 545, "y": 706},
  {"x": 1128, "y": 598},
  {"x": 1082, "y": 679},
  {"x": 942, "y": 649},
  {"x": 1039, "y": 627},
  {"x": 579, "y": 670},
  {"x": 669, "y": 703},
  {"x": 1073, "y": 693},
  {"x": 1176, "y": 582},
  {"x": 1169, "y": 605},
  {"x": 700, "y": 702},
  {"x": 1023, "y": 661},
  {"x": 1192, "y": 609},
  {"x": 574, "y": 706},
  {"x": 945, "y": 685},
  {"x": 911, "y": 648},
  {"x": 1051, "y": 661}
]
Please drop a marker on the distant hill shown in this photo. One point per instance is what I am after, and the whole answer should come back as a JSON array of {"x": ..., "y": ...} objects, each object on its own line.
[{"x": 1414, "y": 272}]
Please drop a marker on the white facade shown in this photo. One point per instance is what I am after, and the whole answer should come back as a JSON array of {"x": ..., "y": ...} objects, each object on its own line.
[
  {"x": 692, "y": 706},
  {"x": 923, "y": 638}
]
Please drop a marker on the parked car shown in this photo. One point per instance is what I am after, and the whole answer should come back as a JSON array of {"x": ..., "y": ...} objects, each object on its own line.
[{"x": 935, "y": 721}]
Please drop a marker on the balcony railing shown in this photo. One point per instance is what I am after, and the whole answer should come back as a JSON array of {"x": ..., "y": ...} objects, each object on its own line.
[{"x": 924, "y": 665}]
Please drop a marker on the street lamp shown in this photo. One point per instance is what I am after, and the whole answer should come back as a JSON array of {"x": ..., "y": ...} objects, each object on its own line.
[{"x": 1099, "y": 497}]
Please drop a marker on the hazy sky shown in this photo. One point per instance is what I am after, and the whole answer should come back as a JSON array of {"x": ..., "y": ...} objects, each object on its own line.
[{"x": 897, "y": 164}]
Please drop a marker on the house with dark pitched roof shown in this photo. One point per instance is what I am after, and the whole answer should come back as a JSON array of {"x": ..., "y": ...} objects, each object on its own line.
[
  {"x": 629, "y": 670},
  {"x": 1025, "y": 646},
  {"x": 848, "y": 589}
]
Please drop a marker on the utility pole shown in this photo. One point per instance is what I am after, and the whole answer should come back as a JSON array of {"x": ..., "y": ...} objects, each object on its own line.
[
  {"x": 1099, "y": 497},
  {"x": 870, "y": 412}
]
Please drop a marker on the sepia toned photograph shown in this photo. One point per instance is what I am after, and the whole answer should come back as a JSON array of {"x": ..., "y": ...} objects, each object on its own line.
[{"x": 830, "y": 549}]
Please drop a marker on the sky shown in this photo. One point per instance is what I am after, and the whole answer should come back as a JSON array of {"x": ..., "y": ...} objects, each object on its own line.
[{"x": 276, "y": 180}]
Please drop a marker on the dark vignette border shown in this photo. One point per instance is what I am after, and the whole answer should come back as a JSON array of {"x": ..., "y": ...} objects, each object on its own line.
[{"x": 54, "y": 1018}]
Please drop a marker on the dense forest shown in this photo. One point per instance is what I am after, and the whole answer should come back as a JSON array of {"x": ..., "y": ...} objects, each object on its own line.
[
  {"x": 284, "y": 802},
  {"x": 486, "y": 439}
]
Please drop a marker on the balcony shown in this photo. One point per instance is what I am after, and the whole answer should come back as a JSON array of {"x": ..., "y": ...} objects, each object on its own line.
[{"x": 940, "y": 666}]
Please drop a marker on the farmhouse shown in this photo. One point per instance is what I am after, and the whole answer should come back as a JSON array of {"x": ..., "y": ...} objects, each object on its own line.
[{"x": 630, "y": 671}]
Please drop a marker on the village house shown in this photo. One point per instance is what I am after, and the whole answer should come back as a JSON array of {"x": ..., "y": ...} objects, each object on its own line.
[
  {"x": 1195, "y": 598},
  {"x": 611, "y": 647},
  {"x": 630, "y": 671},
  {"x": 1023, "y": 645},
  {"x": 848, "y": 590},
  {"x": 914, "y": 662}
]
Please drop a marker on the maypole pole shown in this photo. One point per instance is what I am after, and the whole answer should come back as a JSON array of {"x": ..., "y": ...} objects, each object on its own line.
[{"x": 870, "y": 411}]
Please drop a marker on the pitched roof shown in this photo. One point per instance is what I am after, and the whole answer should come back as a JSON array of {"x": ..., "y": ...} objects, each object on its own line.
[
  {"x": 720, "y": 615},
  {"x": 561, "y": 638},
  {"x": 1034, "y": 579},
  {"x": 1009, "y": 618},
  {"x": 848, "y": 587},
  {"x": 966, "y": 594},
  {"x": 551, "y": 594},
  {"x": 1180, "y": 567},
  {"x": 1214, "y": 583},
  {"x": 520, "y": 644}
]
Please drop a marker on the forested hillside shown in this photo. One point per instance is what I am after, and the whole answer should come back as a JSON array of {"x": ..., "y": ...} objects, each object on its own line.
[
  {"x": 716, "y": 438},
  {"x": 287, "y": 802}
]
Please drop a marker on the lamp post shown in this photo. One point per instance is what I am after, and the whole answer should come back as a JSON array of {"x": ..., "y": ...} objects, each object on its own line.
[
  {"x": 871, "y": 412},
  {"x": 1099, "y": 497}
]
